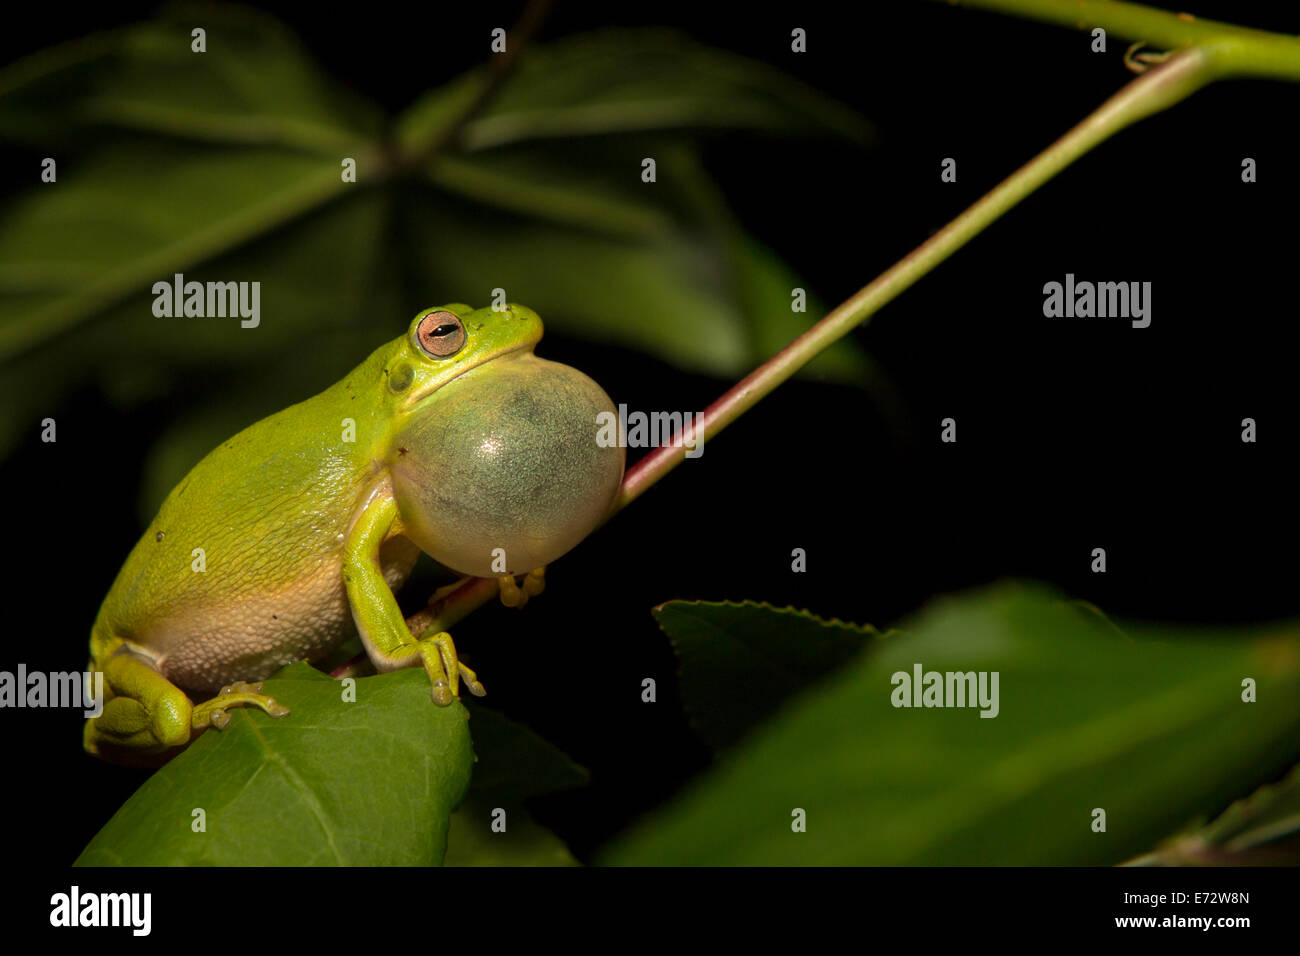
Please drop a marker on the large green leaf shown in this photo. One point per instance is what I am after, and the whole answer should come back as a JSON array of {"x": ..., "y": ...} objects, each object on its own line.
[
  {"x": 146, "y": 201},
  {"x": 254, "y": 84},
  {"x": 660, "y": 267},
  {"x": 136, "y": 214},
  {"x": 321, "y": 308},
  {"x": 647, "y": 293},
  {"x": 370, "y": 782},
  {"x": 634, "y": 81},
  {"x": 1153, "y": 731},
  {"x": 740, "y": 661}
]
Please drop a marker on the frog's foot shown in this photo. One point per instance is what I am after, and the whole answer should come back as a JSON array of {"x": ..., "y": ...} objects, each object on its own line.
[
  {"x": 146, "y": 718},
  {"x": 512, "y": 595},
  {"x": 212, "y": 713},
  {"x": 438, "y": 655}
]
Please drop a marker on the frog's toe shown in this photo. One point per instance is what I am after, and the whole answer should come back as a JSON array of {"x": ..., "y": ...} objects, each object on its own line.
[
  {"x": 213, "y": 713},
  {"x": 535, "y": 581},
  {"x": 445, "y": 668},
  {"x": 512, "y": 595},
  {"x": 471, "y": 680},
  {"x": 441, "y": 694}
]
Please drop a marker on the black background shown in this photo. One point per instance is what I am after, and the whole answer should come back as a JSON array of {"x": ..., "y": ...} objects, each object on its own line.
[{"x": 1072, "y": 434}]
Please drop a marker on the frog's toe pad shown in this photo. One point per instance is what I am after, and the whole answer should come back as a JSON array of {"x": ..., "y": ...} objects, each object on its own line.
[
  {"x": 535, "y": 581},
  {"x": 511, "y": 595}
]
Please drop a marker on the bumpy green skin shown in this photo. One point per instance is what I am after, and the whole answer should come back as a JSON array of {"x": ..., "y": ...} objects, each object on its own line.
[{"x": 302, "y": 533}]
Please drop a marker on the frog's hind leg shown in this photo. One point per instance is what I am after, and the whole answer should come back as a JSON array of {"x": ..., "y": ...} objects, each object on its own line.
[
  {"x": 146, "y": 714},
  {"x": 512, "y": 595}
]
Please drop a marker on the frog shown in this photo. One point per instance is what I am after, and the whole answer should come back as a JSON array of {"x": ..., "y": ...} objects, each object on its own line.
[{"x": 454, "y": 440}]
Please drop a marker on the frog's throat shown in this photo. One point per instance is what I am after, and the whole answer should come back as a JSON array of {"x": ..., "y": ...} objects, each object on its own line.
[{"x": 415, "y": 400}]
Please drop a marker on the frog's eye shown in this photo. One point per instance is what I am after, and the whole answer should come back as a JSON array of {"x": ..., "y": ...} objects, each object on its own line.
[{"x": 440, "y": 334}]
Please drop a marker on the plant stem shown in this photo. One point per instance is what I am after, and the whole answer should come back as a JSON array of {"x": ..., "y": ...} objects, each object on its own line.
[
  {"x": 482, "y": 89},
  {"x": 1231, "y": 51},
  {"x": 1151, "y": 92}
]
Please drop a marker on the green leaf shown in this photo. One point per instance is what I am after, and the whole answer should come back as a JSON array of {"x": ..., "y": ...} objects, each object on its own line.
[
  {"x": 367, "y": 783},
  {"x": 660, "y": 267},
  {"x": 147, "y": 200},
  {"x": 134, "y": 215},
  {"x": 471, "y": 840},
  {"x": 740, "y": 661},
  {"x": 638, "y": 80},
  {"x": 514, "y": 765},
  {"x": 646, "y": 295},
  {"x": 634, "y": 81},
  {"x": 579, "y": 194},
  {"x": 604, "y": 257},
  {"x": 254, "y": 84},
  {"x": 1153, "y": 731},
  {"x": 224, "y": 166},
  {"x": 321, "y": 314},
  {"x": 1261, "y": 829}
]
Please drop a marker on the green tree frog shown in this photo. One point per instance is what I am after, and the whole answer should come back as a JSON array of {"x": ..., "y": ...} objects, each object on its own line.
[{"x": 454, "y": 439}]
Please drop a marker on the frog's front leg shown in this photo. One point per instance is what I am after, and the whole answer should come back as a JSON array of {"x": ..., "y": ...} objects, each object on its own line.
[
  {"x": 388, "y": 640},
  {"x": 146, "y": 714}
]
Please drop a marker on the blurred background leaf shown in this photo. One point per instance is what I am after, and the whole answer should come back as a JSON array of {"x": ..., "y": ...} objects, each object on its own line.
[
  {"x": 643, "y": 80},
  {"x": 255, "y": 85},
  {"x": 513, "y": 766},
  {"x": 740, "y": 661},
  {"x": 1262, "y": 829},
  {"x": 225, "y": 166},
  {"x": 1153, "y": 731}
]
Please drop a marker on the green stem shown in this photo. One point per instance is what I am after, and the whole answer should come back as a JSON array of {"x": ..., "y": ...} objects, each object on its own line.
[
  {"x": 1231, "y": 51},
  {"x": 479, "y": 93},
  {"x": 1155, "y": 90},
  {"x": 1151, "y": 92}
]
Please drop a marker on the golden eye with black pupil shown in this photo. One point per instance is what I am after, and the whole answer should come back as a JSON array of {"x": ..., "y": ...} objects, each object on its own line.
[{"x": 440, "y": 334}]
